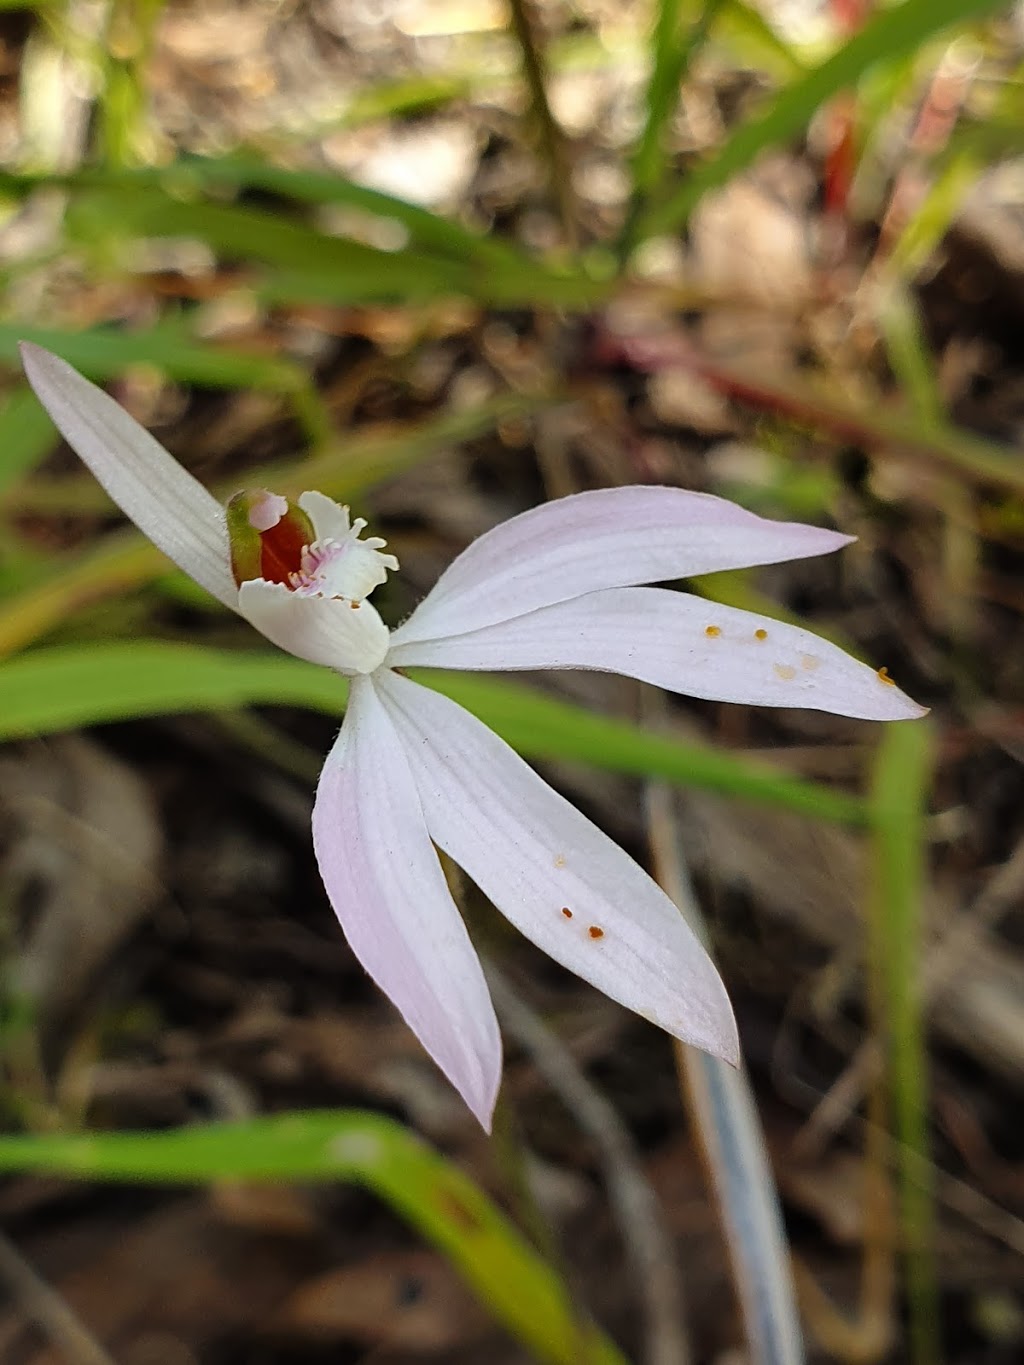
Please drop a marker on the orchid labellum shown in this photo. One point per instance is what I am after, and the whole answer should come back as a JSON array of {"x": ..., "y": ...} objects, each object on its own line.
[{"x": 556, "y": 587}]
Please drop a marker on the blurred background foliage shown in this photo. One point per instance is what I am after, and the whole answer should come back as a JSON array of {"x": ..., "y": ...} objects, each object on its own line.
[{"x": 446, "y": 258}]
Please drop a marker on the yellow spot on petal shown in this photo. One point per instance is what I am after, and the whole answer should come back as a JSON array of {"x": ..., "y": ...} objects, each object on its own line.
[
  {"x": 785, "y": 672},
  {"x": 760, "y": 633},
  {"x": 566, "y": 912},
  {"x": 712, "y": 632},
  {"x": 354, "y": 606},
  {"x": 883, "y": 676},
  {"x": 559, "y": 859},
  {"x": 595, "y": 932},
  {"x": 809, "y": 662}
]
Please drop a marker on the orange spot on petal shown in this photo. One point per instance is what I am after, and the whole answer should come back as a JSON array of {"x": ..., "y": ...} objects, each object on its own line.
[
  {"x": 595, "y": 932},
  {"x": 566, "y": 912}
]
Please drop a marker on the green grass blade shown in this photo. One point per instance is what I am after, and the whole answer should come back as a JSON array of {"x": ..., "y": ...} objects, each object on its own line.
[
  {"x": 744, "y": 32},
  {"x": 299, "y": 262},
  {"x": 105, "y": 353},
  {"x": 72, "y": 685},
  {"x": 673, "y": 47},
  {"x": 955, "y": 177},
  {"x": 429, "y": 1192},
  {"x": 425, "y": 228},
  {"x": 898, "y": 823},
  {"x": 888, "y": 37},
  {"x": 902, "y": 330},
  {"x": 241, "y": 233},
  {"x": 302, "y": 262},
  {"x": 26, "y": 436}
]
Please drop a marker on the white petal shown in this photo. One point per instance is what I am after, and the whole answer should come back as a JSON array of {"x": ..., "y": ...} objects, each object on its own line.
[
  {"x": 681, "y": 643},
  {"x": 330, "y": 519},
  {"x": 607, "y": 538},
  {"x": 347, "y": 636},
  {"x": 387, "y": 888},
  {"x": 536, "y": 857},
  {"x": 165, "y": 502}
]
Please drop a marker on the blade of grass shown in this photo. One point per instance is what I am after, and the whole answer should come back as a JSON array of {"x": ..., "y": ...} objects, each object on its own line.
[
  {"x": 888, "y": 37},
  {"x": 242, "y": 233},
  {"x": 898, "y": 805},
  {"x": 448, "y": 261},
  {"x": 444, "y": 258},
  {"x": 673, "y": 47},
  {"x": 425, "y": 1189},
  {"x": 26, "y": 436},
  {"x": 71, "y": 685},
  {"x": 123, "y": 98},
  {"x": 543, "y": 727},
  {"x": 103, "y": 353},
  {"x": 425, "y": 228},
  {"x": 900, "y": 320},
  {"x": 743, "y": 30},
  {"x": 306, "y": 264},
  {"x": 959, "y": 171}
]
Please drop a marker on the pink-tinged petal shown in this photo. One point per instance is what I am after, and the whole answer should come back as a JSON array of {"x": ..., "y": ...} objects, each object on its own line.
[
  {"x": 165, "y": 502},
  {"x": 681, "y": 643},
  {"x": 347, "y": 636},
  {"x": 607, "y": 538},
  {"x": 387, "y": 888},
  {"x": 557, "y": 877}
]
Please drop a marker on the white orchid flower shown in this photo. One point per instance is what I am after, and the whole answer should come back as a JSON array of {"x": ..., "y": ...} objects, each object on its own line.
[{"x": 553, "y": 588}]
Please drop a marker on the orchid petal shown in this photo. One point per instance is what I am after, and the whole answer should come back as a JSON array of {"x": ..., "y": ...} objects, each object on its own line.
[
  {"x": 387, "y": 888},
  {"x": 163, "y": 499},
  {"x": 344, "y": 635},
  {"x": 606, "y": 538},
  {"x": 679, "y": 642},
  {"x": 557, "y": 877}
]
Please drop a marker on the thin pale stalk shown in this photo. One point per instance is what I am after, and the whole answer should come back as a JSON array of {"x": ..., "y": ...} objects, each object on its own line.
[
  {"x": 50, "y": 1310},
  {"x": 637, "y": 1210},
  {"x": 729, "y": 1132},
  {"x": 1001, "y": 894}
]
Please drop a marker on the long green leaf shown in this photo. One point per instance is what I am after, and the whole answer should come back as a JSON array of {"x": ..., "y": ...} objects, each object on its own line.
[
  {"x": 898, "y": 814},
  {"x": 301, "y": 262},
  {"x": 26, "y": 435},
  {"x": 673, "y": 46},
  {"x": 105, "y": 353},
  {"x": 888, "y": 37},
  {"x": 72, "y": 685},
  {"x": 430, "y": 1193}
]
